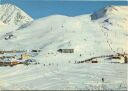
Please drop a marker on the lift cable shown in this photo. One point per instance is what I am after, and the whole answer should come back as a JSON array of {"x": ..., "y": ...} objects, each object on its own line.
[{"x": 108, "y": 41}]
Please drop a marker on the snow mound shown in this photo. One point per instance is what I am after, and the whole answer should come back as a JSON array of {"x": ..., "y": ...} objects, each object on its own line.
[{"x": 11, "y": 14}]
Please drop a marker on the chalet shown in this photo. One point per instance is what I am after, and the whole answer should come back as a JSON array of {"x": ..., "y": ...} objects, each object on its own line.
[
  {"x": 25, "y": 56},
  {"x": 1, "y": 52},
  {"x": 35, "y": 50},
  {"x": 94, "y": 61},
  {"x": 7, "y": 57},
  {"x": 123, "y": 59},
  {"x": 9, "y": 63},
  {"x": 12, "y": 51},
  {"x": 66, "y": 50}
]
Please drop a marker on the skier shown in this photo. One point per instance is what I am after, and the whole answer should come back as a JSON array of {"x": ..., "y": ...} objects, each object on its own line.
[
  {"x": 125, "y": 59},
  {"x": 102, "y": 79}
]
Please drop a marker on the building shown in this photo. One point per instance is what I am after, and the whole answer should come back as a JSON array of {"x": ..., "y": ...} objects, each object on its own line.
[
  {"x": 123, "y": 59},
  {"x": 94, "y": 61},
  {"x": 25, "y": 56},
  {"x": 35, "y": 50},
  {"x": 66, "y": 50},
  {"x": 1, "y": 52}
]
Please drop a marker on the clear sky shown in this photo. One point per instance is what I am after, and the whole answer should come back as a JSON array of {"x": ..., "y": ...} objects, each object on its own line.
[{"x": 41, "y": 8}]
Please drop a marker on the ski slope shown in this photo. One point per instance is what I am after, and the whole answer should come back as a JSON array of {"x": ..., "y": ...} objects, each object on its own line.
[{"x": 64, "y": 77}]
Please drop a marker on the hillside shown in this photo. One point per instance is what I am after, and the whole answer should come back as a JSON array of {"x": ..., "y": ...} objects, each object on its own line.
[{"x": 80, "y": 33}]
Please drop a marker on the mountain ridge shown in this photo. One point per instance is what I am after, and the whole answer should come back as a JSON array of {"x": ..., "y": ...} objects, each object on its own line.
[
  {"x": 12, "y": 15},
  {"x": 109, "y": 11}
]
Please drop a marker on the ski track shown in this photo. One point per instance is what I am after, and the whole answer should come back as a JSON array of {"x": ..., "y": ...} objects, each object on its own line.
[{"x": 79, "y": 75}]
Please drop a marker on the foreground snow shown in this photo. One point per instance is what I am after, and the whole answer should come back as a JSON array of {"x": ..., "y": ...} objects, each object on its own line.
[{"x": 65, "y": 76}]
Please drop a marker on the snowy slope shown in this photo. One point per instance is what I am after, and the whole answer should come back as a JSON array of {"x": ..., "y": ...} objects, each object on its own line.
[
  {"x": 5, "y": 28},
  {"x": 10, "y": 14},
  {"x": 114, "y": 20},
  {"x": 88, "y": 37},
  {"x": 48, "y": 36},
  {"x": 80, "y": 33},
  {"x": 64, "y": 77}
]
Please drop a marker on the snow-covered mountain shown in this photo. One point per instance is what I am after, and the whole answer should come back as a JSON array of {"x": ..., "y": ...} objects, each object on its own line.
[
  {"x": 11, "y": 14},
  {"x": 67, "y": 28},
  {"x": 81, "y": 33},
  {"x": 112, "y": 16}
]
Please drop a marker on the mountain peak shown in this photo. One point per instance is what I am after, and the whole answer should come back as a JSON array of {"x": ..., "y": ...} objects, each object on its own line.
[
  {"x": 12, "y": 15},
  {"x": 8, "y": 4},
  {"x": 109, "y": 11}
]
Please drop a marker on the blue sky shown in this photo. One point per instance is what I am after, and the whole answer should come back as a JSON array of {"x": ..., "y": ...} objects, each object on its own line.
[{"x": 41, "y": 8}]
